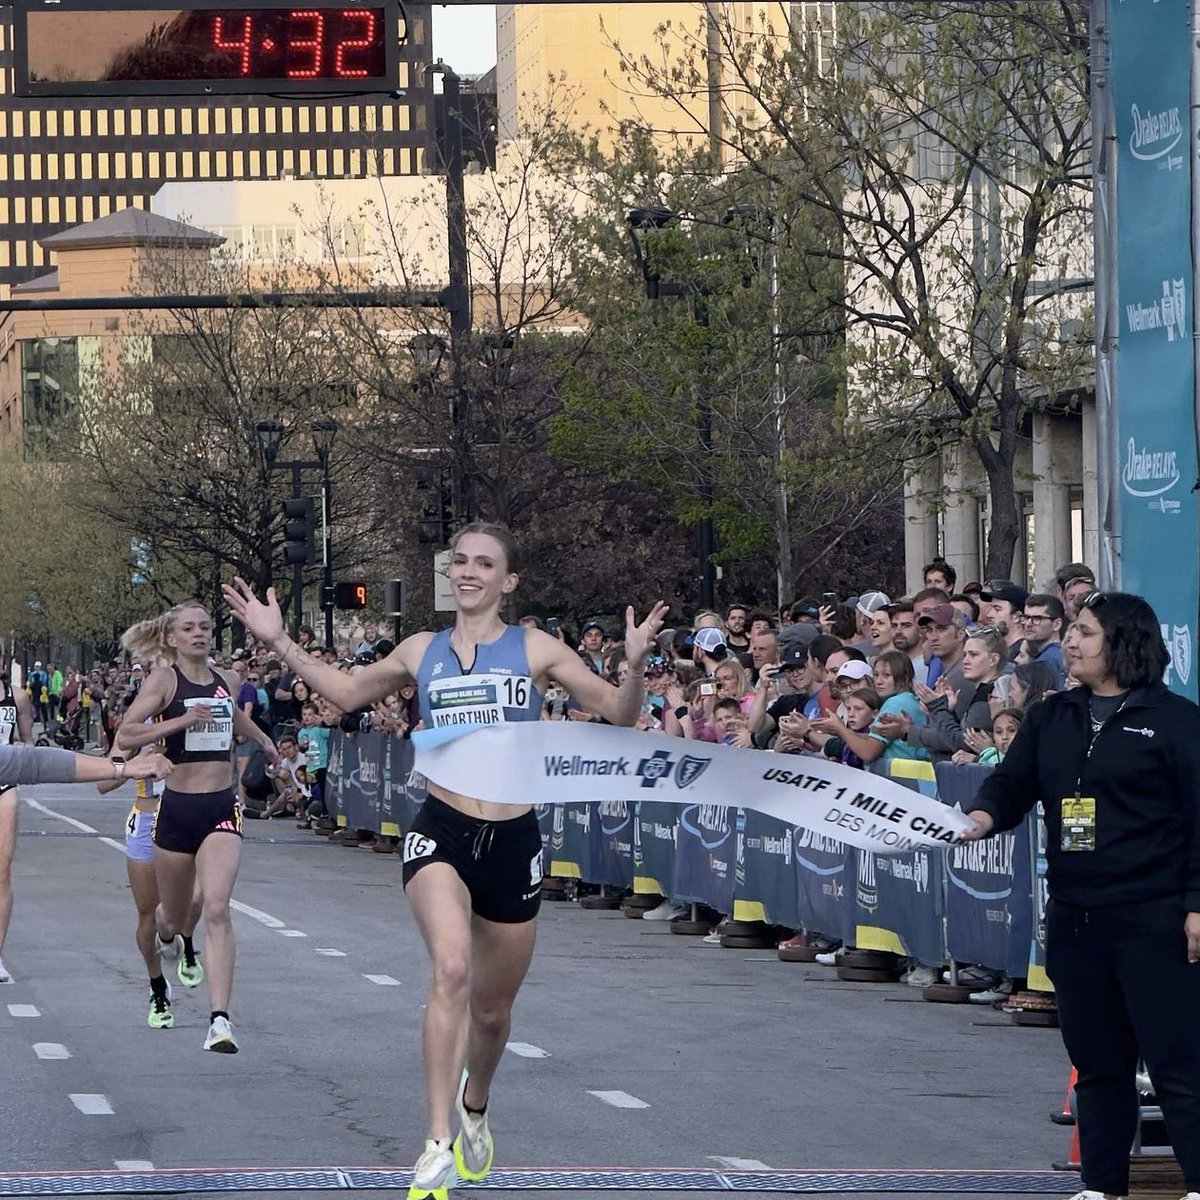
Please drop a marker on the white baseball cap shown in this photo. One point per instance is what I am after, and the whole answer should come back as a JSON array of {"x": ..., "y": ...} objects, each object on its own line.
[
  {"x": 869, "y": 603},
  {"x": 854, "y": 669}
]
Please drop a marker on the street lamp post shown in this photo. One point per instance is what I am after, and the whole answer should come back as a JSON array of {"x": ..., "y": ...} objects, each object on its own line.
[
  {"x": 324, "y": 430},
  {"x": 643, "y": 224}
]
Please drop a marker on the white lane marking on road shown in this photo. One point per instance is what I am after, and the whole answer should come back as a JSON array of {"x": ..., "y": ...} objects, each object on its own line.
[
  {"x": 133, "y": 1164},
  {"x": 23, "y": 1010},
  {"x": 330, "y": 952},
  {"x": 51, "y": 1051},
  {"x": 59, "y": 816},
  {"x": 383, "y": 980},
  {"x": 257, "y": 914},
  {"x": 292, "y": 933},
  {"x": 114, "y": 844},
  {"x": 92, "y": 1104},
  {"x": 739, "y": 1164},
  {"x": 619, "y": 1099},
  {"x": 525, "y": 1050}
]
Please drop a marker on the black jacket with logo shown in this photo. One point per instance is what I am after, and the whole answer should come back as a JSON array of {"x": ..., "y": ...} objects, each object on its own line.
[{"x": 1144, "y": 773}]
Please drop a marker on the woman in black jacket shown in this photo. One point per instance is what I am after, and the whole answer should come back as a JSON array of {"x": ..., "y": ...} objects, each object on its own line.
[{"x": 1116, "y": 765}]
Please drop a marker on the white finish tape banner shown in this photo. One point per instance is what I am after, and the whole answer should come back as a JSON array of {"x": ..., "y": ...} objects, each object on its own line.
[{"x": 558, "y": 762}]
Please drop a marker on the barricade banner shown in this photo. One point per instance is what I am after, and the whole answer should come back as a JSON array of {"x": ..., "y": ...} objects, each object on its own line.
[
  {"x": 403, "y": 788},
  {"x": 654, "y": 847},
  {"x": 899, "y": 898},
  {"x": 610, "y": 845},
  {"x": 765, "y": 882},
  {"x": 569, "y": 835},
  {"x": 1037, "y": 977},
  {"x": 362, "y": 780},
  {"x": 989, "y": 907},
  {"x": 555, "y": 762},
  {"x": 333, "y": 775},
  {"x": 545, "y": 814},
  {"x": 824, "y": 876},
  {"x": 704, "y": 850}
]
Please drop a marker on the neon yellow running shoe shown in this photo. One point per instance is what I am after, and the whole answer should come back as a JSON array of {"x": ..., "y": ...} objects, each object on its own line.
[
  {"x": 160, "y": 1015},
  {"x": 473, "y": 1148},
  {"x": 190, "y": 969},
  {"x": 433, "y": 1172}
]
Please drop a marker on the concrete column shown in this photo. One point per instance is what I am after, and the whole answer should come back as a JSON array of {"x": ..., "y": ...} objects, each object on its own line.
[
  {"x": 1051, "y": 499},
  {"x": 961, "y": 521},
  {"x": 1091, "y": 488},
  {"x": 920, "y": 526}
]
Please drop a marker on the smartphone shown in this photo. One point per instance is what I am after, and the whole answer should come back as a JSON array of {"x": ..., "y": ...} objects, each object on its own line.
[
  {"x": 708, "y": 688},
  {"x": 552, "y": 626},
  {"x": 830, "y": 599}
]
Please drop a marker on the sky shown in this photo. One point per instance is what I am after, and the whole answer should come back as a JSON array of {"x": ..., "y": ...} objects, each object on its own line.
[{"x": 464, "y": 35}]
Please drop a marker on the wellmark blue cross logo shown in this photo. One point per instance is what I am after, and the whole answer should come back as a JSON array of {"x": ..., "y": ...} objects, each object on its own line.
[{"x": 657, "y": 766}]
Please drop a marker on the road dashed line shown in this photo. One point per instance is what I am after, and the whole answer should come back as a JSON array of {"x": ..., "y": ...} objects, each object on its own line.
[
  {"x": 525, "y": 1050},
  {"x": 133, "y": 1164},
  {"x": 619, "y": 1099},
  {"x": 383, "y": 980},
  {"x": 23, "y": 1010},
  {"x": 92, "y": 1104},
  {"x": 51, "y": 1051}
]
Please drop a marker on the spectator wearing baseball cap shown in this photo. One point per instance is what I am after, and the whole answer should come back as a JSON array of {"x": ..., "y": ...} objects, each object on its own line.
[
  {"x": 782, "y": 689},
  {"x": 591, "y": 646},
  {"x": 1004, "y": 608},
  {"x": 709, "y": 648},
  {"x": 1074, "y": 591},
  {"x": 865, "y": 608},
  {"x": 942, "y": 627}
]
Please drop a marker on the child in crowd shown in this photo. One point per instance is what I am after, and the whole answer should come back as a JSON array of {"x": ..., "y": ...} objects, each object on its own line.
[
  {"x": 289, "y": 778},
  {"x": 733, "y": 729},
  {"x": 861, "y": 705},
  {"x": 1004, "y": 728},
  {"x": 314, "y": 741}
]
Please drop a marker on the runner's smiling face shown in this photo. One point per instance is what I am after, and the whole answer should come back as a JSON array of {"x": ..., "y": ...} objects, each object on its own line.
[
  {"x": 479, "y": 574},
  {"x": 190, "y": 633}
]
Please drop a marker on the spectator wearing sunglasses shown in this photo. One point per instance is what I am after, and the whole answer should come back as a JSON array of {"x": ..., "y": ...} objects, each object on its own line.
[{"x": 1115, "y": 764}]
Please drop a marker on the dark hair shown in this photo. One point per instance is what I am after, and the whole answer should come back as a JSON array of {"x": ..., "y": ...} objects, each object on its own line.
[
  {"x": 938, "y": 595},
  {"x": 963, "y": 598},
  {"x": 821, "y": 647},
  {"x": 1052, "y": 605},
  {"x": 1134, "y": 651},
  {"x": 901, "y": 606},
  {"x": 727, "y": 702},
  {"x": 1037, "y": 678},
  {"x": 853, "y": 654},
  {"x": 760, "y": 615},
  {"x": 1069, "y": 572},
  {"x": 845, "y": 622},
  {"x": 741, "y": 607},
  {"x": 499, "y": 532},
  {"x": 867, "y": 694},
  {"x": 901, "y": 668},
  {"x": 1017, "y": 714},
  {"x": 940, "y": 564}
]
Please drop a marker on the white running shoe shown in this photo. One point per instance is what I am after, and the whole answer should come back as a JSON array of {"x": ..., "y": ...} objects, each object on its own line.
[
  {"x": 5, "y": 977},
  {"x": 170, "y": 950},
  {"x": 432, "y": 1172},
  {"x": 830, "y": 957},
  {"x": 473, "y": 1148},
  {"x": 666, "y": 911},
  {"x": 921, "y": 977},
  {"x": 220, "y": 1038}
]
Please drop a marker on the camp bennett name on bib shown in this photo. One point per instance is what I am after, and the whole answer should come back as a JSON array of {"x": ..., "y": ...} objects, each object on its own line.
[{"x": 477, "y": 699}]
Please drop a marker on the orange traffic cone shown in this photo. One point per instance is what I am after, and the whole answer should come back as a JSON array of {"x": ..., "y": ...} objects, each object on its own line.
[
  {"x": 1074, "y": 1161},
  {"x": 1067, "y": 1115}
]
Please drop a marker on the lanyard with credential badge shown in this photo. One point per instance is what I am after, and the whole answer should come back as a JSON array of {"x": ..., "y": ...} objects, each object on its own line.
[{"x": 1077, "y": 831}]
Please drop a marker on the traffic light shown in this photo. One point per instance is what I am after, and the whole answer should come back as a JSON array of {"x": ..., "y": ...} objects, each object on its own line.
[
  {"x": 350, "y": 594},
  {"x": 298, "y": 530},
  {"x": 393, "y": 597}
]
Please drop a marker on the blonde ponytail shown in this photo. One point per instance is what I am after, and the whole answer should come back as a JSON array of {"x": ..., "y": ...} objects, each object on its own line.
[{"x": 147, "y": 640}]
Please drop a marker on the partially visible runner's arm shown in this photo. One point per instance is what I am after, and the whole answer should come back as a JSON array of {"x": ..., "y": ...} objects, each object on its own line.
[{"x": 45, "y": 764}]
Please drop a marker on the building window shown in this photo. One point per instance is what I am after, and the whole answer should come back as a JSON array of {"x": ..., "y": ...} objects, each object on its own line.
[{"x": 49, "y": 396}]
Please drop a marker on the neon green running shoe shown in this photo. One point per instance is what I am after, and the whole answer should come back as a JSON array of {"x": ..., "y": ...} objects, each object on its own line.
[
  {"x": 160, "y": 1015},
  {"x": 472, "y": 1147},
  {"x": 190, "y": 969},
  {"x": 433, "y": 1174}
]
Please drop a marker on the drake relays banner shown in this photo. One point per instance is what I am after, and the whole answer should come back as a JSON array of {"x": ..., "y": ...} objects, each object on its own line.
[{"x": 556, "y": 762}]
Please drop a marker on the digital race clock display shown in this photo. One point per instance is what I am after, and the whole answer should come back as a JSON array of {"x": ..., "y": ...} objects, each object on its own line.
[{"x": 297, "y": 47}]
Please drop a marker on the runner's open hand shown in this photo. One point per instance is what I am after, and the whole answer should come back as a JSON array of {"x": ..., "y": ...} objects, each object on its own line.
[
  {"x": 264, "y": 621},
  {"x": 148, "y": 766},
  {"x": 639, "y": 639}
]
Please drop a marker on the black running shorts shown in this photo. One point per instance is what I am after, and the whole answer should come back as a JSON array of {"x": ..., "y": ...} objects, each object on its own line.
[
  {"x": 184, "y": 819},
  {"x": 499, "y": 861}
]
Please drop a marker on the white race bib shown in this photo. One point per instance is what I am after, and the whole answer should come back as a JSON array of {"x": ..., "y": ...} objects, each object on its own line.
[
  {"x": 477, "y": 699},
  {"x": 6, "y": 732},
  {"x": 215, "y": 734}
]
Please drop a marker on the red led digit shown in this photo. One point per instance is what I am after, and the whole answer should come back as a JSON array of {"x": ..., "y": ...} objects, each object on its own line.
[
  {"x": 311, "y": 44},
  {"x": 365, "y": 42},
  {"x": 240, "y": 48},
  {"x": 361, "y": 593}
]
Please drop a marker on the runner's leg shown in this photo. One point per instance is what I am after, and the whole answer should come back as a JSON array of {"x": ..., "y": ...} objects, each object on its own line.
[
  {"x": 442, "y": 908},
  {"x": 217, "y": 863},
  {"x": 8, "y": 845}
]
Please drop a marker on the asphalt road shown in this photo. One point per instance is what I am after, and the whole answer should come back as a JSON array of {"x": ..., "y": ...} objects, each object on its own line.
[{"x": 723, "y": 1058}]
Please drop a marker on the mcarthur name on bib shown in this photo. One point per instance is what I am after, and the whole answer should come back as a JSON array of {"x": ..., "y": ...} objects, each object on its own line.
[{"x": 477, "y": 699}]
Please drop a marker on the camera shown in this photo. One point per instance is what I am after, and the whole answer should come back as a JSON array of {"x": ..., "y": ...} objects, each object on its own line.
[
  {"x": 830, "y": 599},
  {"x": 708, "y": 688},
  {"x": 552, "y": 624}
]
